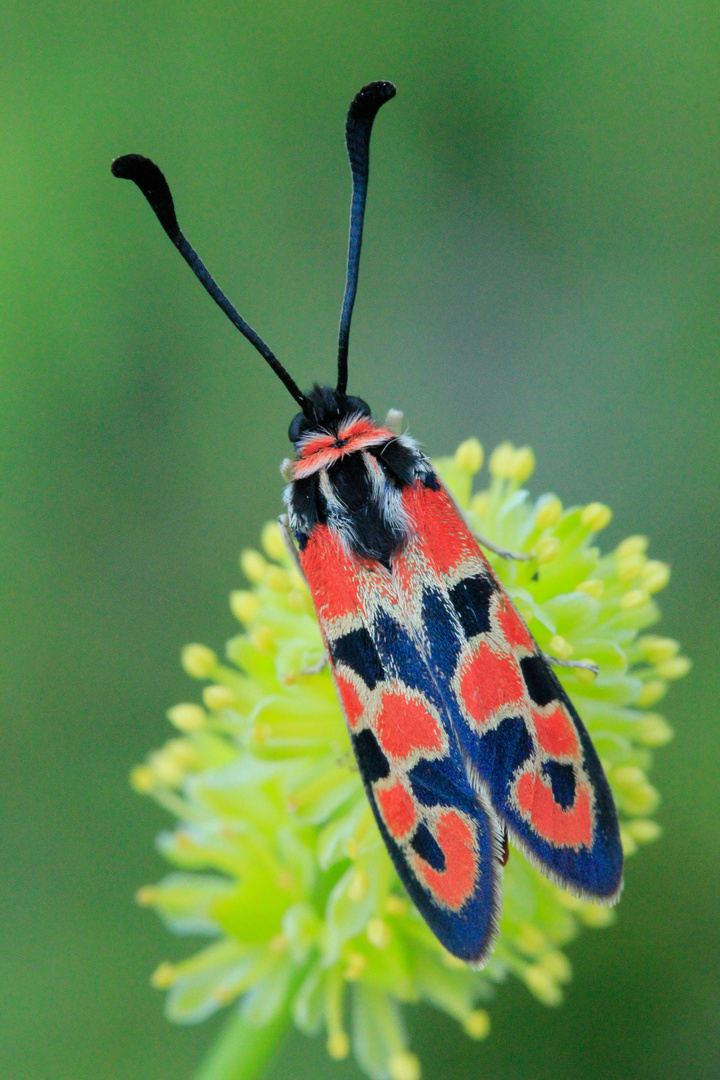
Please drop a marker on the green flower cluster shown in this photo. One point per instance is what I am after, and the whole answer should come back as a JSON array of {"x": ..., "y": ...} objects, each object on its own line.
[{"x": 279, "y": 861}]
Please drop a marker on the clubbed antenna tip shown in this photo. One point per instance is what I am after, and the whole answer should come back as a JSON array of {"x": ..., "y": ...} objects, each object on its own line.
[
  {"x": 361, "y": 114},
  {"x": 149, "y": 178}
]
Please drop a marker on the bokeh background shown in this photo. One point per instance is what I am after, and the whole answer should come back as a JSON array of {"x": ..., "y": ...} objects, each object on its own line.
[{"x": 542, "y": 263}]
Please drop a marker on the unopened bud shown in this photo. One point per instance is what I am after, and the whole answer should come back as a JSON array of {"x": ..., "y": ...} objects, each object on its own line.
[
  {"x": 187, "y": 717},
  {"x": 272, "y": 541},
  {"x": 596, "y": 516},
  {"x": 253, "y": 566},
  {"x": 469, "y": 456},
  {"x": 244, "y": 605},
  {"x": 199, "y": 661},
  {"x": 548, "y": 514}
]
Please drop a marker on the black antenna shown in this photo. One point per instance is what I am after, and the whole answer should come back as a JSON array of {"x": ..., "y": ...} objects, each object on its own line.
[
  {"x": 154, "y": 186},
  {"x": 359, "y": 124}
]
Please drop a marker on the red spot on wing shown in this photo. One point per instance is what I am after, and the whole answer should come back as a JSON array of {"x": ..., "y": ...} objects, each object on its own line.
[
  {"x": 445, "y": 538},
  {"x": 514, "y": 629},
  {"x": 352, "y": 704},
  {"x": 556, "y": 734},
  {"x": 330, "y": 573},
  {"x": 398, "y": 809},
  {"x": 564, "y": 828},
  {"x": 456, "y": 883},
  {"x": 405, "y": 726},
  {"x": 488, "y": 682}
]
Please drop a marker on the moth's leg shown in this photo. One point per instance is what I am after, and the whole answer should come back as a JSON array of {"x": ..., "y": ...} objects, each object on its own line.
[
  {"x": 347, "y": 761},
  {"x": 394, "y": 421},
  {"x": 584, "y": 665},
  {"x": 289, "y": 543},
  {"x": 519, "y": 556},
  {"x": 505, "y": 853},
  {"x": 317, "y": 667}
]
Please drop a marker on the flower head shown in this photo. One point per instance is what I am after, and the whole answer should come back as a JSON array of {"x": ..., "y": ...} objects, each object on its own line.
[{"x": 279, "y": 861}]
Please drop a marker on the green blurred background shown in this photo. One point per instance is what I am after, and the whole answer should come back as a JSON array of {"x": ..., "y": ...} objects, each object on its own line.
[{"x": 542, "y": 263}]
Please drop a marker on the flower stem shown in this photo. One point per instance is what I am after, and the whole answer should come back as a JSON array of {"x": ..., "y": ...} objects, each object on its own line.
[{"x": 242, "y": 1050}]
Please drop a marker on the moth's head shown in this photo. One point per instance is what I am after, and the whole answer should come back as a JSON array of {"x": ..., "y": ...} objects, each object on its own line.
[
  {"x": 327, "y": 411},
  {"x": 331, "y": 427}
]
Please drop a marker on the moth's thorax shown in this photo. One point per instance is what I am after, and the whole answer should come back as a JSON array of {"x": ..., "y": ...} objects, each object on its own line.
[
  {"x": 349, "y": 476},
  {"x": 321, "y": 448}
]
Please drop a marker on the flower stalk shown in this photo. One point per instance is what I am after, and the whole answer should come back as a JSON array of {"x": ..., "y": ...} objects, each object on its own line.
[{"x": 242, "y": 1050}]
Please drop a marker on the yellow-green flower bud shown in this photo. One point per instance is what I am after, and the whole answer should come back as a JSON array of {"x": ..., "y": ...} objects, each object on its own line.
[
  {"x": 147, "y": 895},
  {"x": 359, "y": 885},
  {"x": 542, "y": 985},
  {"x": 244, "y": 605},
  {"x": 263, "y": 638},
  {"x": 655, "y": 576},
  {"x": 557, "y": 965},
  {"x": 596, "y": 516},
  {"x": 277, "y": 579},
  {"x": 548, "y": 514},
  {"x": 644, "y": 830},
  {"x": 469, "y": 456},
  {"x": 651, "y": 693},
  {"x": 338, "y": 1046},
  {"x": 658, "y": 649},
  {"x": 253, "y": 566},
  {"x": 523, "y": 465},
  {"x": 378, "y": 933},
  {"x": 630, "y": 567},
  {"x": 404, "y": 1066},
  {"x": 530, "y": 939},
  {"x": 479, "y": 504},
  {"x": 187, "y": 717},
  {"x": 560, "y": 647},
  {"x": 163, "y": 976},
  {"x": 166, "y": 769},
  {"x": 635, "y": 598},
  {"x": 142, "y": 779},
  {"x": 596, "y": 915},
  {"x": 356, "y": 963},
  {"x": 547, "y": 548},
  {"x": 477, "y": 1024},
  {"x": 272, "y": 541},
  {"x": 632, "y": 545},
  {"x": 593, "y": 587},
  {"x": 502, "y": 461},
  {"x": 218, "y": 697},
  {"x": 199, "y": 661},
  {"x": 653, "y": 730},
  {"x": 628, "y": 841},
  {"x": 675, "y": 668}
]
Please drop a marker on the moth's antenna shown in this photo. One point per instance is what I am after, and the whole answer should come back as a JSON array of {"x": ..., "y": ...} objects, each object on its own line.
[
  {"x": 154, "y": 186},
  {"x": 359, "y": 124}
]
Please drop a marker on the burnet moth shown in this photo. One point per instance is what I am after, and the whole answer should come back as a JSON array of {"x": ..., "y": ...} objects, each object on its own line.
[{"x": 462, "y": 732}]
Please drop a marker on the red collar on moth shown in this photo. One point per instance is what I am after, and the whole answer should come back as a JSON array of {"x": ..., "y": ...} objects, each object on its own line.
[{"x": 324, "y": 449}]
